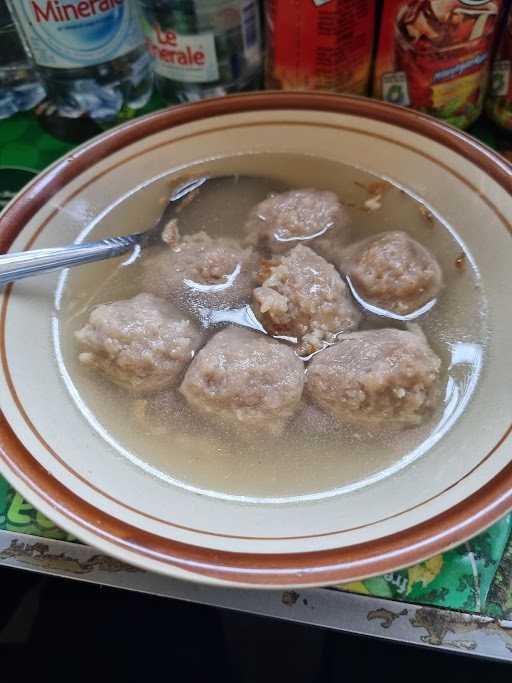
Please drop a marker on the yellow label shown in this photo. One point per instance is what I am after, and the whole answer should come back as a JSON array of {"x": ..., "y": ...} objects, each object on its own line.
[
  {"x": 425, "y": 572},
  {"x": 356, "y": 587},
  {"x": 456, "y": 92}
]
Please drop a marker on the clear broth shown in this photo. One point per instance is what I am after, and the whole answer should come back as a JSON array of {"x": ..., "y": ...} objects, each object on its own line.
[{"x": 302, "y": 465}]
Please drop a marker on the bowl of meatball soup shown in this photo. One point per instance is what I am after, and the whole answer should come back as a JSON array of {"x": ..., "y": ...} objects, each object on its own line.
[{"x": 305, "y": 381}]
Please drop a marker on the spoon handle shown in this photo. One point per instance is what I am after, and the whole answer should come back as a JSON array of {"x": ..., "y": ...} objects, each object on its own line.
[{"x": 24, "y": 264}]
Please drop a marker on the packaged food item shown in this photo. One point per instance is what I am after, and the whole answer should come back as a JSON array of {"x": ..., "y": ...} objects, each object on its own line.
[
  {"x": 461, "y": 578},
  {"x": 498, "y": 105},
  {"x": 319, "y": 44},
  {"x": 203, "y": 48},
  {"x": 434, "y": 55}
]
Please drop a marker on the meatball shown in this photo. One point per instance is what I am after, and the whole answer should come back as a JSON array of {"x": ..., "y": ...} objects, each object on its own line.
[
  {"x": 283, "y": 219},
  {"x": 304, "y": 296},
  {"x": 244, "y": 377},
  {"x": 393, "y": 271},
  {"x": 142, "y": 344},
  {"x": 203, "y": 270},
  {"x": 379, "y": 376}
]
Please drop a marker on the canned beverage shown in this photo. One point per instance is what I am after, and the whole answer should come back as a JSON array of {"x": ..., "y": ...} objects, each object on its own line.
[
  {"x": 434, "y": 55},
  {"x": 498, "y": 105},
  {"x": 203, "y": 48},
  {"x": 319, "y": 44}
]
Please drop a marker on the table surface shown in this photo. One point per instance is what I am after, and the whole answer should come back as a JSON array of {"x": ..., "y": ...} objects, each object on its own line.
[
  {"x": 442, "y": 629},
  {"x": 22, "y": 146}
]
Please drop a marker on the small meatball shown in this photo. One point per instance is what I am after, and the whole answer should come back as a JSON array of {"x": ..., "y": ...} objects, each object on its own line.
[
  {"x": 202, "y": 270},
  {"x": 393, "y": 271},
  {"x": 243, "y": 377},
  {"x": 377, "y": 376},
  {"x": 304, "y": 296},
  {"x": 142, "y": 344},
  {"x": 282, "y": 220}
]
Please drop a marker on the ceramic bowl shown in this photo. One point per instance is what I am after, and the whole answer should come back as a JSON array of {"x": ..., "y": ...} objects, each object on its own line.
[{"x": 77, "y": 477}]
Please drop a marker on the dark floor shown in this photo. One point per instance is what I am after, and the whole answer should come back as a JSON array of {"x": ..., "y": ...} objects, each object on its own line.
[{"x": 57, "y": 630}]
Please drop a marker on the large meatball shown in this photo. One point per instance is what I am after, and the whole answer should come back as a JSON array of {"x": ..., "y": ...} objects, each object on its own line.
[
  {"x": 379, "y": 376},
  {"x": 199, "y": 269},
  {"x": 244, "y": 377},
  {"x": 393, "y": 271},
  {"x": 304, "y": 296},
  {"x": 142, "y": 344},
  {"x": 282, "y": 220}
]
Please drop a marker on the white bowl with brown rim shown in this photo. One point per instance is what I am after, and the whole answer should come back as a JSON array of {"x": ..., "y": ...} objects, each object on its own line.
[{"x": 394, "y": 516}]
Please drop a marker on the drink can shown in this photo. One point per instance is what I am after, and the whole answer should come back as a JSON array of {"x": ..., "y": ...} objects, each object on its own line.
[
  {"x": 498, "y": 105},
  {"x": 435, "y": 55},
  {"x": 319, "y": 44}
]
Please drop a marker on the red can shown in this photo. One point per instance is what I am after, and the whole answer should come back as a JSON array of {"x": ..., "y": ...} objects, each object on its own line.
[
  {"x": 498, "y": 105},
  {"x": 319, "y": 44},
  {"x": 434, "y": 55}
]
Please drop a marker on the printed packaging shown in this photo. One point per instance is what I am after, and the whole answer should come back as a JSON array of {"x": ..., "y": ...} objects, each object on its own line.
[
  {"x": 434, "y": 55},
  {"x": 499, "y": 101},
  {"x": 319, "y": 44}
]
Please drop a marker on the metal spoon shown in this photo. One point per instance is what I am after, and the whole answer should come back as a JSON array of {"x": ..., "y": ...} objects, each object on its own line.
[
  {"x": 28, "y": 263},
  {"x": 25, "y": 264}
]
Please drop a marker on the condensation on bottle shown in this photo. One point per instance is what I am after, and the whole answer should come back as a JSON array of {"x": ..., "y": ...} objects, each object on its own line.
[
  {"x": 20, "y": 87},
  {"x": 89, "y": 54},
  {"x": 203, "y": 48}
]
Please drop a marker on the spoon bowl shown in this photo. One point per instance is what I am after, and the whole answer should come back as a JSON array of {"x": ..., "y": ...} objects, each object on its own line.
[{"x": 28, "y": 263}]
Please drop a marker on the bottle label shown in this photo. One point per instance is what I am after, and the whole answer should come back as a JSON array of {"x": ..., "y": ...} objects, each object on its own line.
[
  {"x": 202, "y": 42},
  {"x": 184, "y": 58},
  {"x": 77, "y": 33}
]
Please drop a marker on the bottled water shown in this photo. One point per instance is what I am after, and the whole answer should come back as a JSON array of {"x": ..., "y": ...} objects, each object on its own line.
[
  {"x": 20, "y": 87},
  {"x": 203, "y": 48},
  {"x": 90, "y": 55}
]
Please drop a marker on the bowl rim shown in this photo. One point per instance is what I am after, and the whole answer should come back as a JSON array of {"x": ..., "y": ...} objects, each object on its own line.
[{"x": 404, "y": 548}]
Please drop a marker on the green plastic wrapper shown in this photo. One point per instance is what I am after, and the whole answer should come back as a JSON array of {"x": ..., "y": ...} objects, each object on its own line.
[
  {"x": 459, "y": 579},
  {"x": 19, "y": 516},
  {"x": 499, "y": 601}
]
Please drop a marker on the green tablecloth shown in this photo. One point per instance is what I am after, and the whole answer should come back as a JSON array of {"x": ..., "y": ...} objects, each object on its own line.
[{"x": 476, "y": 577}]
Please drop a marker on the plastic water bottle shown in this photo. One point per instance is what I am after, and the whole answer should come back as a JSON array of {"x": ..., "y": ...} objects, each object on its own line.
[
  {"x": 203, "y": 48},
  {"x": 90, "y": 55},
  {"x": 20, "y": 87}
]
